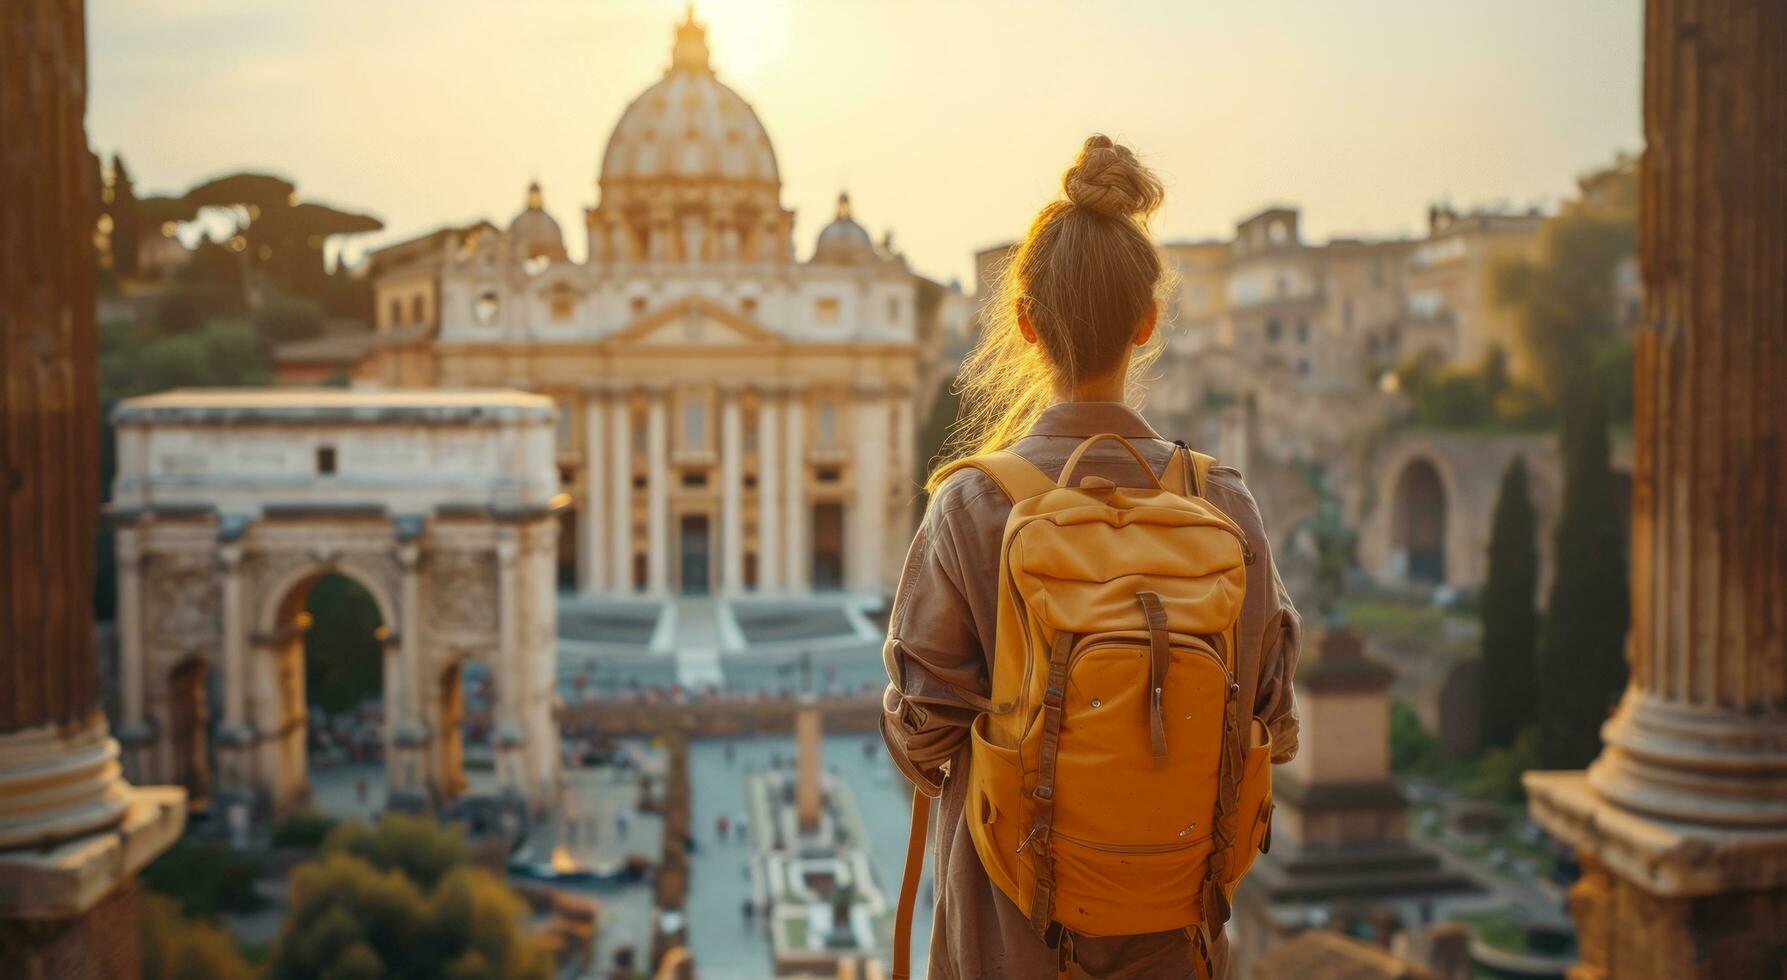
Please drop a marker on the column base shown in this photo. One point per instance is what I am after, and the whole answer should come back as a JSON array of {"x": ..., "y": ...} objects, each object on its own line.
[{"x": 1695, "y": 765}]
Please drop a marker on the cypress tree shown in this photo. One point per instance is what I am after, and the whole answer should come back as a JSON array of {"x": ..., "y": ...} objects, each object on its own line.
[
  {"x": 127, "y": 226},
  {"x": 1510, "y": 619},
  {"x": 1582, "y": 664}
]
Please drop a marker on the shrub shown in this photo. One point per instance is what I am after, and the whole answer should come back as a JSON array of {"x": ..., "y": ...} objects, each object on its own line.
[
  {"x": 307, "y": 830},
  {"x": 177, "y": 948},
  {"x": 206, "y": 878}
]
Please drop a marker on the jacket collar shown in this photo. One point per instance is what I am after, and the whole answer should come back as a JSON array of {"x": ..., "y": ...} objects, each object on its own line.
[{"x": 1082, "y": 419}]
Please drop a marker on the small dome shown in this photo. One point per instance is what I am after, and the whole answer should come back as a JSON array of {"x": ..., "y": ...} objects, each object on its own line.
[
  {"x": 844, "y": 241},
  {"x": 534, "y": 233},
  {"x": 689, "y": 125}
]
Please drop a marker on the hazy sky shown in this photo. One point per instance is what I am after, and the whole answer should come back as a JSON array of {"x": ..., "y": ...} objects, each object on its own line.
[{"x": 949, "y": 122}]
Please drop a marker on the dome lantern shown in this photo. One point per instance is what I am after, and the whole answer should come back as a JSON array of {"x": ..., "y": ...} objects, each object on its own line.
[{"x": 690, "y": 51}]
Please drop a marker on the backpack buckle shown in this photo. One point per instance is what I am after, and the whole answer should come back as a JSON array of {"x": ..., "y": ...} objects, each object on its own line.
[{"x": 1034, "y": 831}]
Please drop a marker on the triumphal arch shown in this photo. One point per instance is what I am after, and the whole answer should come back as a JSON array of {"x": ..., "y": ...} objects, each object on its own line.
[{"x": 229, "y": 504}]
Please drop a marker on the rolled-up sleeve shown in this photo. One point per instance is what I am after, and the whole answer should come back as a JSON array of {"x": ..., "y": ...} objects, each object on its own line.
[
  {"x": 1281, "y": 641},
  {"x": 936, "y": 669}
]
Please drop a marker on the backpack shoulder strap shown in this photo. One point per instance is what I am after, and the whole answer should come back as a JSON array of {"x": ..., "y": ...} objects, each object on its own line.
[
  {"x": 1186, "y": 471},
  {"x": 1017, "y": 477}
]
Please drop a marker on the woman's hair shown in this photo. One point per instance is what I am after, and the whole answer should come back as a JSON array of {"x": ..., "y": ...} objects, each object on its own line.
[{"x": 1084, "y": 276}]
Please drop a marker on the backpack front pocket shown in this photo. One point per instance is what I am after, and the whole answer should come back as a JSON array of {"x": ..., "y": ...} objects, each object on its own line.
[{"x": 1109, "y": 789}]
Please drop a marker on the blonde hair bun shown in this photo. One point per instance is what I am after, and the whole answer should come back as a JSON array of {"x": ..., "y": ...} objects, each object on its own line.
[{"x": 1108, "y": 180}]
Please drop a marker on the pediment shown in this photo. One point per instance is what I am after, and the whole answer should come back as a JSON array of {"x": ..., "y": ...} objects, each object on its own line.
[{"x": 695, "y": 322}]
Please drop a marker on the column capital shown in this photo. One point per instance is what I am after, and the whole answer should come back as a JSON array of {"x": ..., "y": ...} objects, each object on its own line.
[{"x": 229, "y": 557}]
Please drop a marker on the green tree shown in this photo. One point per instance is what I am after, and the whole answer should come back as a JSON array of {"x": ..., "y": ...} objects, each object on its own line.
[
  {"x": 358, "y": 912},
  {"x": 127, "y": 227},
  {"x": 1510, "y": 620},
  {"x": 1581, "y": 657},
  {"x": 422, "y": 850},
  {"x": 289, "y": 318}
]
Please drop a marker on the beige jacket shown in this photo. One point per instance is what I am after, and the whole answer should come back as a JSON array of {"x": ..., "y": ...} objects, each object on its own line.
[{"x": 940, "y": 633}]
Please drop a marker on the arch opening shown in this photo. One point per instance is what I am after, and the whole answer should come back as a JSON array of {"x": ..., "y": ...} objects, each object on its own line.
[
  {"x": 322, "y": 693},
  {"x": 192, "y": 691},
  {"x": 1419, "y": 523}
]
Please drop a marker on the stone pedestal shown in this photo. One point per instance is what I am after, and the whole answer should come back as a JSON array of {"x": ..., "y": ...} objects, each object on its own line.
[{"x": 1681, "y": 823}]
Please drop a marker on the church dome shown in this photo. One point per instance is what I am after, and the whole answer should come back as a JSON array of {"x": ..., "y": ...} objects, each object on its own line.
[
  {"x": 844, "y": 241},
  {"x": 534, "y": 233},
  {"x": 689, "y": 125}
]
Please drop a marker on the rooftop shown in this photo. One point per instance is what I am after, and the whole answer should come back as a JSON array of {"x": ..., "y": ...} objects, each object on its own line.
[{"x": 310, "y": 405}]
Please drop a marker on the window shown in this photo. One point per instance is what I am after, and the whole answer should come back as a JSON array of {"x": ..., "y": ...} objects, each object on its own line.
[
  {"x": 638, "y": 305},
  {"x": 484, "y": 309},
  {"x": 750, "y": 424},
  {"x": 828, "y": 426},
  {"x": 1303, "y": 366},
  {"x": 750, "y": 481},
  {"x": 694, "y": 478},
  {"x": 1302, "y": 330},
  {"x": 563, "y": 303},
  {"x": 826, "y": 474},
  {"x": 825, "y": 309},
  {"x": 694, "y": 426},
  {"x": 748, "y": 305},
  {"x": 418, "y": 310},
  {"x": 638, "y": 484},
  {"x": 325, "y": 460},
  {"x": 396, "y": 312},
  {"x": 1272, "y": 330}
]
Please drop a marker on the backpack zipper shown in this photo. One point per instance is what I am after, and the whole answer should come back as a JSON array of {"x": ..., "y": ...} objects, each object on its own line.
[{"x": 1130, "y": 848}]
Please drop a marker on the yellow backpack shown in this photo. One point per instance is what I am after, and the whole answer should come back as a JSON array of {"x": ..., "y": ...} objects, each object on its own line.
[{"x": 1119, "y": 786}]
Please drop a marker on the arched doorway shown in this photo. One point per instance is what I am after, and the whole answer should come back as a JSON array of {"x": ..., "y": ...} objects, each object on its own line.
[
  {"x": 189, "y": 729},
  {"x": 1419, "y": 523},
  {"x": 322, "y": 691}
]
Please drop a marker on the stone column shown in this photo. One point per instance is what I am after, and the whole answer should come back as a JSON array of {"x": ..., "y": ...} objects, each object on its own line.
[
  {"x": 592, "y": 540},
  {"x": 135, "y": 732},
  {"x": 620, "y": 490},
  {"x": 509, "y": 737},
  {"x": 769, "y": 500},
  {"x": 794, "y": 491},
  {"x": 407, "y": 770},
  {"x": 732, "y": 510},
  {"x": 72, "y": 832},
  {"x": 868, "y": 479},
  {"x": 235, "y": 742},
  {"x": 657, "y": 489},
  {"x": 1681, "y": 823}
]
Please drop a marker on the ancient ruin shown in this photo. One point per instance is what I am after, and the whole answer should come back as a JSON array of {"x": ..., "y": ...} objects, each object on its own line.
[{"x": 230, "y": 504}]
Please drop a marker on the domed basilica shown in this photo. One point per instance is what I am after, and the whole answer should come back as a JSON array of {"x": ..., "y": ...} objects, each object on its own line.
[{"x": 733, "y": 419}]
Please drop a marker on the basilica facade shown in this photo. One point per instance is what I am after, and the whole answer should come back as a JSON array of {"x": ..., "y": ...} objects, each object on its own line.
[{"x": 732, "y": 419}]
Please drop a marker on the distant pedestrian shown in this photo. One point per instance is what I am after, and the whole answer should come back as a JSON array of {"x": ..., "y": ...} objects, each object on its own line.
[
  {"x": 722, "y": 827},
  {"x": 620, "y": 824},
  {"x": 750, "y": 910}
]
